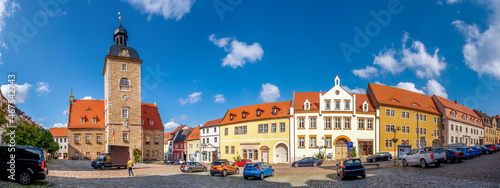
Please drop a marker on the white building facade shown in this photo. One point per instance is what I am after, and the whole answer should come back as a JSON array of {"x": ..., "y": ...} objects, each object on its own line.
[
  {"x": 327, "y": 121},
  {"x": 210, "y": 141}
]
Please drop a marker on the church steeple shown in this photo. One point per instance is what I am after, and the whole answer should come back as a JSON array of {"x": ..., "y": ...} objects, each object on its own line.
[
  {"x": 120, "y": 36},
  {"x": 71, "y": 98}
]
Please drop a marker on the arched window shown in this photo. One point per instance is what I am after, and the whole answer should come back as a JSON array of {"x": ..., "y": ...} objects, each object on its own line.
[{"x": 124, "y": 82}]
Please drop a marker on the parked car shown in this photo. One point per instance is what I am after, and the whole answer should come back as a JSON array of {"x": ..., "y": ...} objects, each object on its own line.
[
  {"x": 179, "y": 161},
  {"x": 30, "y": 163},
  {"x": 170, "y": 161},
  {"x": 381, "y": 156},
  {"x": 440, "y": 149},
  {"x": 308, "y": 161},
  {"x": 492, "y": 146},
  {"x": 117, "y": 157},
  {"x": 258, "y": 170},
  {"x": 498, "y": 146},
  {"x": 486, "y": 150},
  {"x": 193, "y": 167},
  {"x": 224, "y": 168},
  {"x": 350, "y": 167},
  {"x": 469, "y": 154},
  {"x": 243, "y": 162},
  {"x": 424, "y": 157},
  {"x": 454, "y": 156},
  {"x": 221, "y": 160},
  {"x": 477, "y": 151}
]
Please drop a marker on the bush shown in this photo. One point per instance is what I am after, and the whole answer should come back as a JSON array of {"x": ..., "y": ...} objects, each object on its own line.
[
  {"x": 137, "y": 155},
  {"x": 353, "y": 152},
  {"x": 320, "y": 155},
  {"x": 237, "y": 158}
]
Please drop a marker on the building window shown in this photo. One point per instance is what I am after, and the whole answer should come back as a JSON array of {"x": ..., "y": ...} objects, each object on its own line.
[
  {"x": 259, "y": 112},
  {"x": 273, "y": 127},
  {"x": 306, "y": 104},
  {"x": 124, "y": 67},
  {"x": 388, "y": 143},
  {"x": 451, "y": 140},
  {"x": 226, "y": 131},
  {"x": 87, "y": 138},
  {"x": 337, "y": 105},
  {"x": 312, "y": 123},
  {"x": 369, "y": 124},
  {"x": 464, "y": 118},
  {"x": 124, "y": 113},
  {"x": 232, "y": 149},
  {"x": 347, "y": 105},
  {"x": 125, "y": 137},
  {"x": 403, "y": 129},
  {"x": 301, "y": 142},
  {"x": 387, "y": 128},
  {"x": 408, "y": 130},
  {"x": 327, "y": 105},
  {"x": 240, "y": 130},
  {"x": 88, "y": 153},
  {"x": 231, "y": 117},
  {"x": 244, "y": 115},
  {"x": 142, "y": 122},
  {"x": 312, "y": 141},
  {"x": 387, "y": 112},
  {"x": 227, "y": 149},
  {"x": 347, "y": 123},
  {"x": 77, "y": 154},
  {"x": 82, "y": 120},
  {"x": 261, "y": 128},
  {"x": 337, "y": 123},
  {"x": 361, "y": 124},
  {"x": 98, "y": 139},
  {"x": 157, "y": 139},
  {"x": 215, "y": 139},
  {"x": 125, "y": 123},
  {"x": 425, "y": 131},
  {"x": 94, "y": 120},
  {"x": 328, "y": 142},
  {"x": 301, "y": 123},
  {"x": 453, "y": 114},
  {"x": 151, "y": 122},
  {"x": 147, "y": 153},
  {"x": 124, "y": 82},
  {"x": 328, "y": 123},
  {"x": 275, "y": 110},
  {"x": 392, "y": 128},
  {"x": 282, "y": 127},
  {"x": 77, "y": 138},
  {"x": 265, "y": 128},
  {"x": 403, "y": 114},
  {"x": 392, "y": 113}
]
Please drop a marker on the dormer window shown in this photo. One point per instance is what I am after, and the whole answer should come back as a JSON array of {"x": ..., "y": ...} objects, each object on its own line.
[
  {"x": 94, "y": 120},
  {"x": 453, "y": 114},
  {"x": 394, "y": 100},
  {"x": 151, "y": 122},
  {"x": 479, "y": 122},
  {"x": 259, "y": 112},
  {"x": 275, "y": 110},
  {"x": 472, "y": 120},
  {"x": 243, "y": 115},
  {"x": 142, "y": 122},
  {"x": 307, "y": 105},
  {"x": 82, "y": 120},
  {"x": 231, "y": 117},
  {"x": 365, "y": 107},
  {"x": 415, "y": 104},
  {"x": 464, "y": 118}
]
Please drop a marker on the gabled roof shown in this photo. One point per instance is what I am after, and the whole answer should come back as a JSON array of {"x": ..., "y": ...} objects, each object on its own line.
[
  {"x": 401, "y": 97},
  {"x": 59, "y": 131},
  {"x": 267, "y": 109},
  {"x": 312, "y": 97},
  {"x": 182, "y": 135},
  {"x": 360, "y": 99},
  {"x": 484, "y": 116},
  {"x": 454, "y": 106},
  {"x": 195, "y": 134},
  {"x": 212, "y": 123},
  {"x": 87, "y": 109},
  {"x": 171, "y": 135},
  {"x": 150, "y": 112}
]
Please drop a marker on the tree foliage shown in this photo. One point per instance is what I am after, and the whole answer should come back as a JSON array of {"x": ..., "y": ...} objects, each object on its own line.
[
  {"x": 30, "y": 135},
  {"x": 137, "y": 155}
]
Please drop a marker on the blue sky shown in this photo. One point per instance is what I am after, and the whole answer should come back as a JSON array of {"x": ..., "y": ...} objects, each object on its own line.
[{"x": 204, "y": 57}]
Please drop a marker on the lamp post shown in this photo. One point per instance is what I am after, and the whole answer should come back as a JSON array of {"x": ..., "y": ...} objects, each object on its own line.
[
  {"x": 203, "y": 145},
  {"x": 394, "y": 140}
]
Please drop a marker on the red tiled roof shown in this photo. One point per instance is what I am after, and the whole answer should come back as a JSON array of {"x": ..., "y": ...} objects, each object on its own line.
[
  {"x": 212, "y": 123},
  {"x": 195, "y": 134},
  {"x": 360, "y": 99},
  {"x": 312, "y": 97},
  {"x": 87, "y": 109},
  {"x": 401, "y": 97},
  {"x": 460, "y": 109},
  {"x": 59, "y": 131},
  {"x": 150, "y": 112},
  {"x": 251, "y": 110}
]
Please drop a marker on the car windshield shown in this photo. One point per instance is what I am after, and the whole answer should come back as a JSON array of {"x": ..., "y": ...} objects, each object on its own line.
[
  {"x": 352, "y": 162},
  {"x": 101, "y": 157},
  {"x": 217, "y": 163},
  {"x": 252, "y": 165}
]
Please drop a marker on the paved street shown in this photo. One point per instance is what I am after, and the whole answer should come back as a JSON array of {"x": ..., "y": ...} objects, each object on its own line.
[{"x": 479, "y": 172}]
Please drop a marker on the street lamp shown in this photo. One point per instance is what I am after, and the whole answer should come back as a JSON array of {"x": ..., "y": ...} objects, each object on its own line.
[
  {"x": 394, "y": 130},
  {"x": 203, "y": 145}
]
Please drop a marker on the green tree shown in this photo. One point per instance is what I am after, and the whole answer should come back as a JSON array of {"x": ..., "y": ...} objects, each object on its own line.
[
  {"x": 47, "y": 141},
  {"x": 137, "y": 155},
  {"x": 30, "y": 135},
  {"x": 3, "y": 114}
]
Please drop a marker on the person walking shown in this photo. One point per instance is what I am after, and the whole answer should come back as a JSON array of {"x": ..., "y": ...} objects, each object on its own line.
[{"x": 129, "y": 165}]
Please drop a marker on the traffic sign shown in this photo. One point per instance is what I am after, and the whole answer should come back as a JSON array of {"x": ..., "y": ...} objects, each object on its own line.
[{"x": 349, "y": 144}]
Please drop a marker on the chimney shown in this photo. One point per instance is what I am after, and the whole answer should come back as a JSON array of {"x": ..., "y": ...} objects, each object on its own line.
[{"x": 456, "y": 102}]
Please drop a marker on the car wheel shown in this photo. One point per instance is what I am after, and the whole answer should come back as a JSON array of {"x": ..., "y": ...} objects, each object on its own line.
[
  {"x": 25, "y": 178},
  {"x": 405, "y": 163},
  {"x": 296, "y": 165},
  {"x": 102, "y": 167},
  {"x": 448, "y": 160},
  {"x": 95, "y": 167},
  {"x": 245, "y": 177},
  {"x": 204, "y": 169},
  {"x": 190, "y": 170},
  {"x": 487, "y": 152},
  {"x": 212, "y": 174},
  {"x": 272, "y": 174},
  {"x": 315, "y": 164},
  {"x": 237, "y": 171},
  {"x": 363, "y": 176},
  {"x": 437, "y": 164},
  {"x": 224, "y": 173},
  {"x": 423, "y": 164},
  {"x": 261, "y": 176},
  {"x": 341, "y": 177}
]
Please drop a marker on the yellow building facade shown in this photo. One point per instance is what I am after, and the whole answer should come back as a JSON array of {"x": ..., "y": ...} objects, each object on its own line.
[{"x": 257, "y": 132}]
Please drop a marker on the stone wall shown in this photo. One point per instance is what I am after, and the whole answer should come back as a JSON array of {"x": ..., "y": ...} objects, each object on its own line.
[{"x": 93, "y": 149}]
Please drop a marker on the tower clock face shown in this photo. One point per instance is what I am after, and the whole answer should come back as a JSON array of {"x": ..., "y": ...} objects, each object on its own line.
[
  {"x": 124, "y": 97},
  {"x": 124, "y": 52}
]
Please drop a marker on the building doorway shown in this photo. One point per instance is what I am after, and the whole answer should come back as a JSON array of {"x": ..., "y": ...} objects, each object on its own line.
[
  {"x": 340, "y": 149},
  {"x": 281, "y": 153}
]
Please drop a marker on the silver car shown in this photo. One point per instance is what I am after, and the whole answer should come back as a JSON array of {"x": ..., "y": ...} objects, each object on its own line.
[{"x": 193, "y": 167}]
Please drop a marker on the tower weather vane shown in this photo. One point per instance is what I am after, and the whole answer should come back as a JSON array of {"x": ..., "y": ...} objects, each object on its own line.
[{"x": 120, "y": 17}]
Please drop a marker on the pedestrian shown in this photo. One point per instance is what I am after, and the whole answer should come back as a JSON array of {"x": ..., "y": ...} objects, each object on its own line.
[{"x": 129, "y": 165}]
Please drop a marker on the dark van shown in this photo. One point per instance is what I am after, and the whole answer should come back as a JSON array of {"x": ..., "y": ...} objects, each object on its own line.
[{"x": 27, "y": 165}]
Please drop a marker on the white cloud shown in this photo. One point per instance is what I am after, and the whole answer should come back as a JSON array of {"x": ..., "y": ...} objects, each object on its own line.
[
  {"x": 434, "y": 88},
  {"x": 170, "y": 125},
  {"x": 21, "y": 92},
  {"x": 181, "y": 117},
  {"x": 219, "y": 98},
  {"x": 481, "y": 50},
  {"x": 7, "y": 10},
  {"x": 451, "y": 1},
  {"x": 66, "y": 111},
  {"x": 269, "y": 92},
  {"x": 61, "y": 125},
  {"x": 366, "y": 73},
  {"x": 42, "y": 87},
  {"x": 239, "y": 52},
  {"x": 355, "y": 90},
  {"x": 87, "y": 98},
  {"x": 380, "y": 83},
  {"x": 170, "y": 9},
  {"x": 41, "y": 119},
  {"x": 413, "y": 58},
  {"x": 409, "y": 86},
  {"x": 192, "y": 98}
]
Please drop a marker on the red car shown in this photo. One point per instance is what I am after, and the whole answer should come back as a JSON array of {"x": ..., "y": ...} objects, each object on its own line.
[
  {"x": 491, "y": 146},
  {"x": 243, "y": 162}
]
